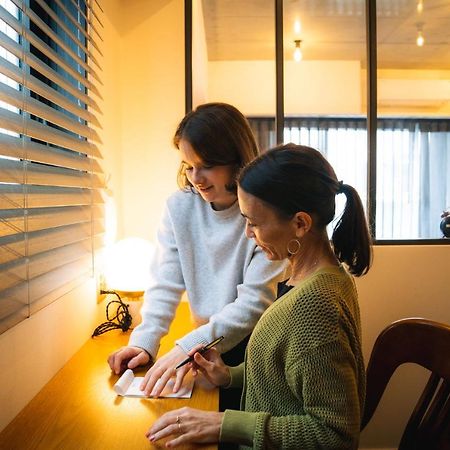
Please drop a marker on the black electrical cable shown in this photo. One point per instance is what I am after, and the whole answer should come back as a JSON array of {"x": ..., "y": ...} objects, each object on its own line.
[{"x": 121, "y": 320}]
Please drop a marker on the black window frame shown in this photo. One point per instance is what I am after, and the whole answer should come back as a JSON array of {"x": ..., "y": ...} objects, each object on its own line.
[{"x": 372, "y": 119}]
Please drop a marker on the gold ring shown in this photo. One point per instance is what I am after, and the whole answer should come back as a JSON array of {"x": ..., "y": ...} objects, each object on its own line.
[{"x": 179, "y": 424}]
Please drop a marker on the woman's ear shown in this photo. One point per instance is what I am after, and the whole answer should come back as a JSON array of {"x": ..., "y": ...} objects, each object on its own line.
[{"x": 303, "y": 223}]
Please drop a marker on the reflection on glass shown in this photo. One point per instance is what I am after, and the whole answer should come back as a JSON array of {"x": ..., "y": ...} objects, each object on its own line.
[
  {"x": 413, "y": 149},
  {"x": 324, "y": 90},
  {"x": 234, "y": 54}
]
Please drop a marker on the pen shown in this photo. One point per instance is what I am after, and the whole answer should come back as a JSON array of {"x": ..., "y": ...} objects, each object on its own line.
[{"x": 201, "y": 351}]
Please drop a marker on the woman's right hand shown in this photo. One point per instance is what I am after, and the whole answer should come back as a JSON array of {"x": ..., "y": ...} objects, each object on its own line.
[
  {"x": 127, "y": 358},
  {"x": 211, "y": 365}
]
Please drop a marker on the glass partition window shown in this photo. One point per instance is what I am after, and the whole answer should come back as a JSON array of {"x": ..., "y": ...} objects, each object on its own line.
[
  {"x": 325, "y": 96},
  {"x": 324, "y": 82},
  {"x": 413, "y": 137},
  {"x": 233, "y": 54}
]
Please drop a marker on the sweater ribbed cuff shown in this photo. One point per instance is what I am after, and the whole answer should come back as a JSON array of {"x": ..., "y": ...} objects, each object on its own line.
[
  {"x": 238, "y": 427},
  {"x": 189, "y": 341},
  {"x": 144, "y": 341},
  {"x": 237, "y": 377}
]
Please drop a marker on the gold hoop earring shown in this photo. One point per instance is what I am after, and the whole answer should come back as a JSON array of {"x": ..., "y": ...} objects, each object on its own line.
[{"x": 296, "y": 250}]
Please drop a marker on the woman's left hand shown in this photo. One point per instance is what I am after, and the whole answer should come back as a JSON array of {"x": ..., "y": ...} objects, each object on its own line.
[
  {"x": 188, "y": 425},
  {"x": 164, "y": 368}
]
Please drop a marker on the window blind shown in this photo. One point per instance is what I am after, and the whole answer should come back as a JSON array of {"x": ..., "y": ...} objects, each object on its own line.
[{"x": 51, "y": 211}]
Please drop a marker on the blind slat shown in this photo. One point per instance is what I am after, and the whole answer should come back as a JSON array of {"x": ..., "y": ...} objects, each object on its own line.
[
  {"x": 44, "y": 48},
  {"x": 20, "y": 271},
  {"x": 71, "y": 34},
  {"x": 31, "y": 60},
  {"x": 62, "y": 280},
  {"x": 11, "y": 71},
  {"x": 25, "y": 269},
  {"x": 14, "y": 98},
  {"x": 13, "y": 308},
  {"x": 14, "y": 247},
  {"x": 91, "y": 25},
  {"x": 39, "y": 288},
  {"x": 19, "y": 124},
  {"x": 13, "y": 196},
  {"x": 44, "y": 175},
  {"x": 86, "y": 35},
  {"x": 41, "y": 219},
  {"x": 32, "y": 151},
  {"x": 53, "y": 36}
]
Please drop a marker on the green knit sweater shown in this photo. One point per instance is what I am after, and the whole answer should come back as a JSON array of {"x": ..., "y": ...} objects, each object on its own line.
[{"x": 303, "y": 377}]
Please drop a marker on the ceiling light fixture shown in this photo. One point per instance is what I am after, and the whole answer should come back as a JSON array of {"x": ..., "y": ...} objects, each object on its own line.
[
  {"x": 420, "y": 40},
  {"x": 297, "y": 51},
  {"x": 420, "y": 6},
  {"x": 297, "y": 26}
]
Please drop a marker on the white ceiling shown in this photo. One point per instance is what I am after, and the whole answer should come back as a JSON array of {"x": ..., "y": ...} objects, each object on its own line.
[{"x": 331, "y": 30}]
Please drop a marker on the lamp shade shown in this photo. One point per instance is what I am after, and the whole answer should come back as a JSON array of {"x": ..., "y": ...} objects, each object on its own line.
[{"x": 127, "y": 265}]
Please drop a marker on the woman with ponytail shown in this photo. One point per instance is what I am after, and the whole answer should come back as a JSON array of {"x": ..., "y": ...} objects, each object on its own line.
[{"x": 304, "y": 370}]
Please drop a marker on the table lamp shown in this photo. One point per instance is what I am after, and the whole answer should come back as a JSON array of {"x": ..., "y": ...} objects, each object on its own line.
[{"x": 126, "y": 272}]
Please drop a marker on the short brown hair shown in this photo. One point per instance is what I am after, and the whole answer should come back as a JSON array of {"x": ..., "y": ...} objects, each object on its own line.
[{"x": 220, "y": 135}]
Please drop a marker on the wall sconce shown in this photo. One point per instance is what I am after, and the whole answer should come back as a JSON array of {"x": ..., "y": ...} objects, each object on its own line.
[
  {"x": 126, "y": 272},
  {"x": 420, "y": 40},
  {"x": 297, "y": 51}
]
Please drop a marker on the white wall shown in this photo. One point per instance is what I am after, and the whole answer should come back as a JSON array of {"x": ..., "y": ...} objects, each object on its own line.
[
  {"x": 152, "y": 97},
  {"x": 405, "y": 281},
  {"x": 35, "y": 349},
  {"x": 414, "y": 92},
  {"x": 327, "y": 88},
  {"x": 311, "y": 87}
]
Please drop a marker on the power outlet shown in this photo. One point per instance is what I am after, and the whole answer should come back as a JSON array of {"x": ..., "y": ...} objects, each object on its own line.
[{"x": 101, "y": 287}]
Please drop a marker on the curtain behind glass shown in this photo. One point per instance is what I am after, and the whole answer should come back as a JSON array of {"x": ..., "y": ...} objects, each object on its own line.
[{"x": 413, "y": 163}]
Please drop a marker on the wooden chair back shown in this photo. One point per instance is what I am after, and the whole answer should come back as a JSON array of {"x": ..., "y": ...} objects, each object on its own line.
[{"x": 423, "y": 342}]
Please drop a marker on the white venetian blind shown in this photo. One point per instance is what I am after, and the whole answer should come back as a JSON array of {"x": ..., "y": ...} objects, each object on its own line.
[{"x": 51, "y": 214}]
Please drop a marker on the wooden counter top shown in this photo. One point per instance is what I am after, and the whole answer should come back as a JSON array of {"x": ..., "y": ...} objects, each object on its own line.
[{"x": 78, "y": 408}]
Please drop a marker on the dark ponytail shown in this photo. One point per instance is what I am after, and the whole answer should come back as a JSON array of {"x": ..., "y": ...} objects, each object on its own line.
[
  {"x": 293, "y": 178},
  {"x": 351, "y": 238}
]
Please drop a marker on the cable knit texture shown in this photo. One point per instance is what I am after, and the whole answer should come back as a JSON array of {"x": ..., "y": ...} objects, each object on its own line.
[
  {"x": 304, "y": 380},
  {"x": 229, "y": 281}
]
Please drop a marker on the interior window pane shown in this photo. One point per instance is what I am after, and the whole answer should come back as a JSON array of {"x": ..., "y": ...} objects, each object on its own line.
[
  {"x": 234, "y": 54},
  {"x": 324, "y": 84},
  {"x": 413, "y": 137}
]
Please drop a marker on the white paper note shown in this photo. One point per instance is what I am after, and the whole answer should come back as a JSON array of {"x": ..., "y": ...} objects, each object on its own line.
[{"x": 129, "y": 386}]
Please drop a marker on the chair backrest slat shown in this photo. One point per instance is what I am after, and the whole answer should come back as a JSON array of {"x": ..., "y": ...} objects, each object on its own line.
[
  {"x": 422, "y": 342},
  {"x": 443, "y": 416}
]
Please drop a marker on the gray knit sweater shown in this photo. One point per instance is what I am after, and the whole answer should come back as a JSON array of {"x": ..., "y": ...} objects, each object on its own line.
[
  {"x": 303, "y": 378},
  {"x": 228, "y": 280}
]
